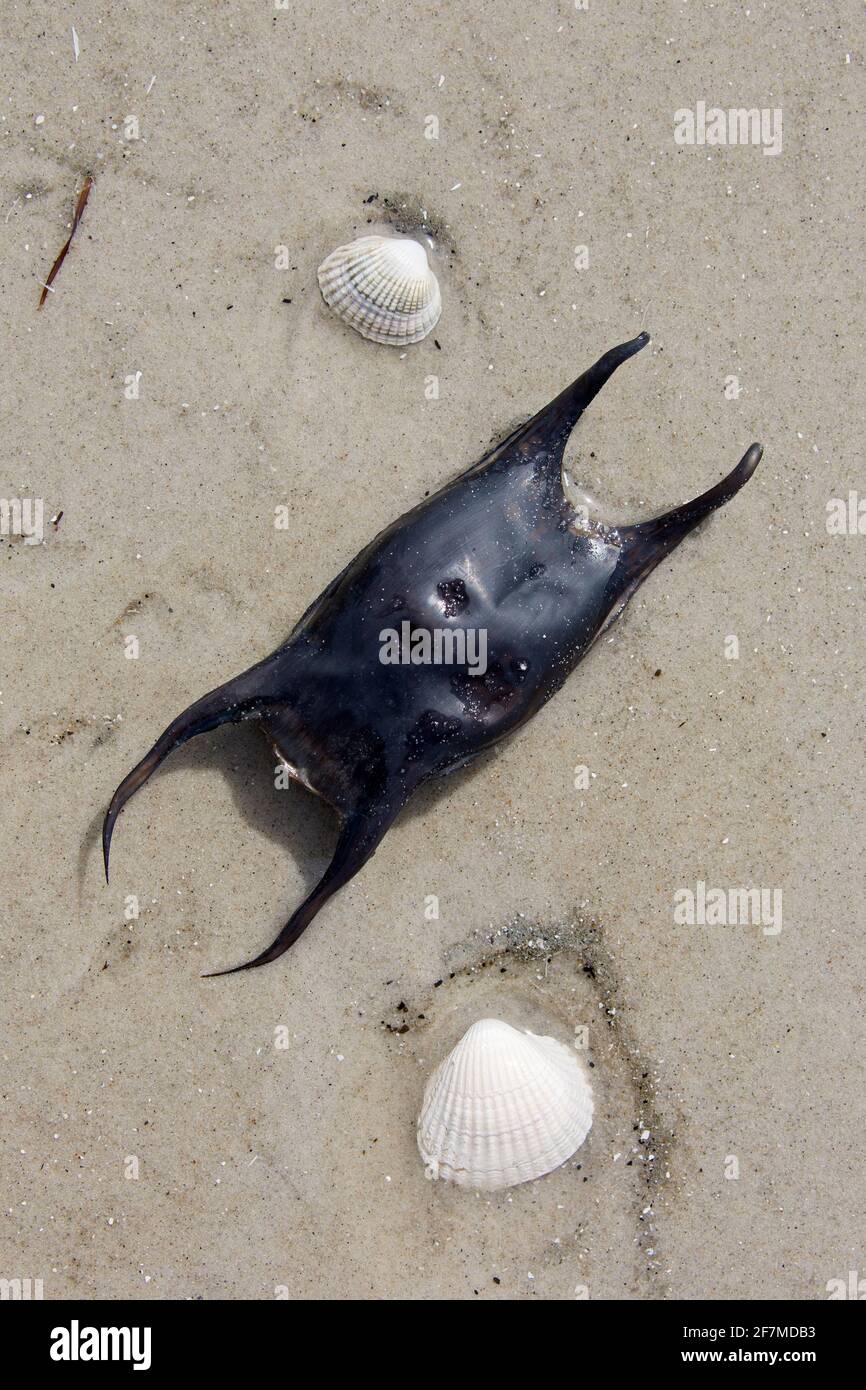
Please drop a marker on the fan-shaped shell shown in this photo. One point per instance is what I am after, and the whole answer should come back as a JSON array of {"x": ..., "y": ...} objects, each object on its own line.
[
  {"x": 383, "y": 287},
  {"x": 503, "y": 1107}
]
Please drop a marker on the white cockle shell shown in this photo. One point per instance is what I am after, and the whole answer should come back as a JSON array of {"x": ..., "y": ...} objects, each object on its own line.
[
  {"x": 383, "y": 287},
  {"x": 502, "y": 1108}
]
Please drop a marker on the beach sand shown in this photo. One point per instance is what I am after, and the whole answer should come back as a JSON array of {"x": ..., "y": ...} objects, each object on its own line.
[{"x": 166, "y": 1136}]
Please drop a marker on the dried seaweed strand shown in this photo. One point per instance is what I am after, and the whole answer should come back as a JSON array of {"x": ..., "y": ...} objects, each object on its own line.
[{"x": 80, "y": 205}]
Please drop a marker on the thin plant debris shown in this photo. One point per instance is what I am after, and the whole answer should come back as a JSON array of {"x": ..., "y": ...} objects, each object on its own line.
[{"x": 80, "y": 205}]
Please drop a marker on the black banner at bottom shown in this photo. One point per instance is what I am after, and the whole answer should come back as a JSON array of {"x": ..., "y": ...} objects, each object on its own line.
[{"x": 80, "y": 1338}]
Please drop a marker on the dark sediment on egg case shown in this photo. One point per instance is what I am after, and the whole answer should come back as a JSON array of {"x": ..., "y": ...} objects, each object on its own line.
[{"x": 365, "y": 735}]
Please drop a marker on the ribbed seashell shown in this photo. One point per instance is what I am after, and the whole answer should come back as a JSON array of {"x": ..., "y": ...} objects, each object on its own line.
[
  {"x": 383, "y": 287},
  {"x": 502, "y": 1108}
]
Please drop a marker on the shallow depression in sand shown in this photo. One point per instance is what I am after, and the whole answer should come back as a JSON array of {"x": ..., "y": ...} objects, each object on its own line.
[{"x": 585, "y": 1216}]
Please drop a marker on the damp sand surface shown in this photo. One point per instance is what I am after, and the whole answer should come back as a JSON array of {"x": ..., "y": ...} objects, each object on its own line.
[{"x": 167, "y": 1136}]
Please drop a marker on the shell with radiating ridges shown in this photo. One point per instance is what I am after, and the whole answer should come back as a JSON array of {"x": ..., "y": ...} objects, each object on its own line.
[
  {"x": 505, "y": 1106},
  {"x": 383, "y": 287}
]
